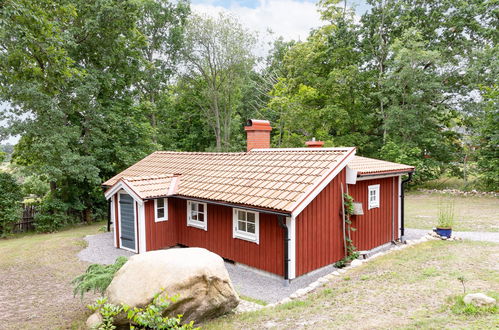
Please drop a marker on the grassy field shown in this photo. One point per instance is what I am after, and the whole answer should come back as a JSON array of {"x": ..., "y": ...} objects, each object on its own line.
[
  {"x": 35, "y": 271},
  {"x": 407, "y": 289},
  {"x": 404, "y": 289},
  {"x": 472, "y": 213}
]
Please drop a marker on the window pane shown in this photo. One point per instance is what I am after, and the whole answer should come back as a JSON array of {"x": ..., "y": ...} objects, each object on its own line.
[
  {"x": 193, "y": 206},
  {"x": 251, "y": 227},
  {"x": 200, "y": 216},
  {"x": 241, "y": 225},
  {"x": 241, "y": 215},
  {"x": 251, "y": 217},
  {"x": 160, "y": 202},
  {"x": 194, "y": 215},
  {"x": 200, "y": 207},
  {"x": 161, "y": 213}
]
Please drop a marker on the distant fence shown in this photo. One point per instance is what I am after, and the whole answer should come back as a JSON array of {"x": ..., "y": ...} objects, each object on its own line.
[{"x": 27, "y": 220}]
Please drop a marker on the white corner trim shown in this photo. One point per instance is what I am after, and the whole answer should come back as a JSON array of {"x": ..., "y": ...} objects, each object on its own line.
[
  {"x": 142, "y": 228},
  {"x": 121, "y": 185},
  {"x": 291, "y": 224},
  {"x": 400, "y": 206},
  {"x": 313, "y": 191},
  {"x": 113, "y": 219},
  {"x": 351, "y": 175}
]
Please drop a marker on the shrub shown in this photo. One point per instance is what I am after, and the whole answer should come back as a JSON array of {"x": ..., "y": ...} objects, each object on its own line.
[
  {"x": 10, "y": 203},
  {"x": 150, "y": 317},
  {"x": 51, "y": 215},
  {"x": 97, "y": 277}
]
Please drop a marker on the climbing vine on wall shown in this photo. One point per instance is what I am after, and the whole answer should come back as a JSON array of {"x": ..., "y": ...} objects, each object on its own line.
[{"x": 351, "y": 250}]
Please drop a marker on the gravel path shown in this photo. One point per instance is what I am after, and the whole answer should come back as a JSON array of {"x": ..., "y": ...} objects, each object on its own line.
[
  {"x": 101, "y": 249},
  {"x": 266, "y": 287},
  {"x": 411, "y": 233}
]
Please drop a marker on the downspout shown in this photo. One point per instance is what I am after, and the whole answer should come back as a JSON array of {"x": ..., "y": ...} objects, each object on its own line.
[
  {"x": 285, "y": 230},
  {"x": 402, "y": 228}
]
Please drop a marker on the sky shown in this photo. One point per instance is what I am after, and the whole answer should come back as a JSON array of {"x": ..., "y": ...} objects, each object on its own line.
[{"x": 291, "y": 19}]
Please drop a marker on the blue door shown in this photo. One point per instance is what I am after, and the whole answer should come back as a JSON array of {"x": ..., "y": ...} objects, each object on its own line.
[{"x": 127, "y": 222}]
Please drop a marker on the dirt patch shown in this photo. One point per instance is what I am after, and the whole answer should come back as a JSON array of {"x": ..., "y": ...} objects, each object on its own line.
[{"x": 35, "y": 290}]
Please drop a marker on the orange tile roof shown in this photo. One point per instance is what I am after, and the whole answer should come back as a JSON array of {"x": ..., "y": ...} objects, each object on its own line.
[
  {"x": 268, "y": 178},
  {"x": 371, "y": 166},
  {"x": 150, "y": 186}
]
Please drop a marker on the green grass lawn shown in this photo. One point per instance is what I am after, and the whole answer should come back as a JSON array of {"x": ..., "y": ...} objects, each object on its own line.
[
  {"x": 35, "y": 271},
  {"x": 472, "y": 213},
  {"x": 407, "y": 289}
]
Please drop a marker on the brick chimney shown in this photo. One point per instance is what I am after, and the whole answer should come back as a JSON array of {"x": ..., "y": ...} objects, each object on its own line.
[
  {"x": 314, "y": 144},
  {"x": 257, "y": 134}
]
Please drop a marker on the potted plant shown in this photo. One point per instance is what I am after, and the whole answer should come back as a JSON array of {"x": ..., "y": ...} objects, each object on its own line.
[{"x": 445, "y": 219}]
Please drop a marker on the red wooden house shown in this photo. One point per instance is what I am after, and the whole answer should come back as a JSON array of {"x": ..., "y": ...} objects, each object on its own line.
[{"x": 277, "y": 210}]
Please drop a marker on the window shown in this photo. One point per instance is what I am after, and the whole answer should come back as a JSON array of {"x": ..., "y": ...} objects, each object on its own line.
[
  {"x": 197, "y": 215},
  {"x": 246, "y": 225},
  {"x": 373, "y": 196},
  {"x": 161, "y": 207}
]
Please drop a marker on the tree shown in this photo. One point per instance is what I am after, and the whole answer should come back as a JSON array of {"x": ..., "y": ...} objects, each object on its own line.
[
  {"x": 72, "y": 73},
  {"x": 322, "y": 90},
  {"x": 488, "y": 140},
  {"x": 162, "y": 24},
  {"x": 218, "y": 56},
  {"x": 10, "y": 203}
]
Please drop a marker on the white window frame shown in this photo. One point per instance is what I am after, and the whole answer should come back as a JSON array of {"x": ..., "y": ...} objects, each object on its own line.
[
  {"x": 165, "y": 206},
  {"x": 236, "y": 233},
  {"x": 196, "y": 223},
  {"x": 376, "y": 202}
]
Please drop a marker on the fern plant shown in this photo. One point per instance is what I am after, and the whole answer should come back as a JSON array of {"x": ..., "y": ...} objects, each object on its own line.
[{"x": 97, "y": 277}]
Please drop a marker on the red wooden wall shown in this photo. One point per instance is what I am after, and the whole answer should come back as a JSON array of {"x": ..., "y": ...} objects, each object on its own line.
[
  {"x": 319, "y": 233},
  {"x": 161, "y": 234},
  {"x": 268, "y": 255},
  {"x": 374, "y": 228}
]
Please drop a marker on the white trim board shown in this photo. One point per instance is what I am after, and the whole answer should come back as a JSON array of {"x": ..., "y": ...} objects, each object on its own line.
[
  {"x": 291, "y": 224},
  {"x": 312, "y": 193},
  {"x": 121, "y": 185},
  {"x": 374, "y": 177},
  {"x": 142, "y": 229}
]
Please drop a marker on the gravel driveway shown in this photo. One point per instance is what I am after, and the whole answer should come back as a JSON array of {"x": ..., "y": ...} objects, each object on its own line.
[{"x": 411, "y": 233}]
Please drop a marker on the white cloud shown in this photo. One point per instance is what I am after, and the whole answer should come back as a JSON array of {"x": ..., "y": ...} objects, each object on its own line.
[{"x": 290, "y": 19}]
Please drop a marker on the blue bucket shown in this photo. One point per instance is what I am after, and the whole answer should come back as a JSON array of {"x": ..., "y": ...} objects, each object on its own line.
[{"x": 444, "y": 232}]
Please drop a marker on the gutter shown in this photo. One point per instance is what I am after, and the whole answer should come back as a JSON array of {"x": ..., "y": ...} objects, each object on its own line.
[
  {"x": 402, "y": 189},
  {"x": 249, "y": 208},
  {"x": 282, "y": 224}
]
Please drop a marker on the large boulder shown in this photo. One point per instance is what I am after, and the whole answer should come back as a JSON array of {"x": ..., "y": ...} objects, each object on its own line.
[
  {"x": 197, "y": 275},
  {"x": 479, "y": 299}
]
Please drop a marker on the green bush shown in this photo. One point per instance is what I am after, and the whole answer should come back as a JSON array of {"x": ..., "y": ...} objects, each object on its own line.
[
  {"x": 10, "y": 203},
  {"x": 97, "y": 277},
  {"x": 150, "y": 317},
  {"x": 52, "y": 215}
]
